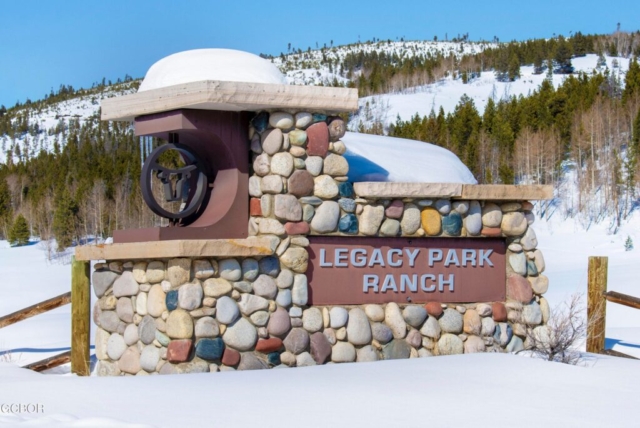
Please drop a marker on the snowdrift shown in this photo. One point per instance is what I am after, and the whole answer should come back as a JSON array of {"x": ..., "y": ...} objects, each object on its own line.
[{"x": 380, "y": 158}]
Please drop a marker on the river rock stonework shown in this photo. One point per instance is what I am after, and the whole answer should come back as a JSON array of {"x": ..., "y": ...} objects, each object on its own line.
[{"x": 185, "y": 315}]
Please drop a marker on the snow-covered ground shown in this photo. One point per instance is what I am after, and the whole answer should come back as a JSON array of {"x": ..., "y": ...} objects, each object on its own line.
[
  {"x": 551, "y": 394},
  {"x": 27, "y": 277},
  {"x": 567, "y": 246},
  {"x": 480, "y": 390}
]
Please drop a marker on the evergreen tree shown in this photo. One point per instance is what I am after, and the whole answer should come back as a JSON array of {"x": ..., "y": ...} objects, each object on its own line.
[
  {"x": 64, "y": 220},
  {"x": 628, "y": 244},
  {"x": 633, "y": 156},
  {"x": 443, "y": 129},
  {"x": 19, "y": 233},
  {"x": 549, "y": 77},
  {"x": 636, "y": 131},
  {"x": 504, "y": 137},
  {"x": 563, "y": 56},
  {"x": 5, "y": 208},
  {"x": 502, "y": 65},
  {"x": 489, "y": 115},
  {"x": 514, "y": 67},
  {"x": 634, "y": 148},
  {"x": 538, "y": 62},
  {"x": 631, "y": 82},
  {"x": 602, "y": 61},
  {"x": 579, "y": 44},
  {"x": 464, "y": 126}
]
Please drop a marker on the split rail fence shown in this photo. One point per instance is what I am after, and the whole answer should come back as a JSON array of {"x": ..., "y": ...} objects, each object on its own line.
[
  {"x": 597, "y": 299},
  {"x": 80, "y": 299}
]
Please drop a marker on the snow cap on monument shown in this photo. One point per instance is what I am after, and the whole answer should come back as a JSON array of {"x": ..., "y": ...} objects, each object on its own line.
[{"x": 211, "y": 64}]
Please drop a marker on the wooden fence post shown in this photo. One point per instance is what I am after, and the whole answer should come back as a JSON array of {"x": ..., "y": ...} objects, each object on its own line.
[
  {"x": 80, "y": 317},
  {"x": 596, "y": 304}
]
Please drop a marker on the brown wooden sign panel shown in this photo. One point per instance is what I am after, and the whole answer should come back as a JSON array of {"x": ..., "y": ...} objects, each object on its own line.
[{"x": 359, "y": 270}]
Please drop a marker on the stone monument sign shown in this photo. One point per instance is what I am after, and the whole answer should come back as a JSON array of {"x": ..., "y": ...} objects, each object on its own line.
[{"x": 275, "y": 256}]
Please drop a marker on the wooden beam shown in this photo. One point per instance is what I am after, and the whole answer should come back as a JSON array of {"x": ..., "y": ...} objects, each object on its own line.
[
  {"x": 622, "y": 299},
  {"x": 33, "y": 310},
  {"x": 80, "y": 317},
  {"x": 596, "y": 304},
  {"x": 49, "y": 363}
]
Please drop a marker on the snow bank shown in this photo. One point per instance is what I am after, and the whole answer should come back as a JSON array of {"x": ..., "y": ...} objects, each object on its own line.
[
  {"x": 453, "y": 391},
  {"x": 380, "y": 158},
  {"x": 211, "y": 64}
]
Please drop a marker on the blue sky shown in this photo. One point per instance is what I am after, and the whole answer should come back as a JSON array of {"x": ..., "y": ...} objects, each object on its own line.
[{"x": 47, "y": 43}]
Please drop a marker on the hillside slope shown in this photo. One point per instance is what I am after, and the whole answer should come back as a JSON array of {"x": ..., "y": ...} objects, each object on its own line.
[{"x": 49, "y": 122}]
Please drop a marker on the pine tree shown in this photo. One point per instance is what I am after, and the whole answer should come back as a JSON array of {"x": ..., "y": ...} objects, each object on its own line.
[
  {"x": 602, "y": 61},
  {"x": 579, "y": 43},
  {"x": 538, "y": 62},
  {"x": 64, "y": 220},
  {"x": 19, "y": 233},
  {"x": 464, "y": 126},
  {"x": 5, "y": 208},
  {"x": 631, "y": 81},
  {"x": 549, "y": 76},
  {"x": 636, "y": 133},
  {"x": 628, "y": 244},
  {"x": 502, "y": 66},
  {"x": 563, "y": 56},
  {"x": 489, "y": 115},
  {"x": 504, "y": 137},
  {"x": 633, "y": 155},
  {"x": 514, "y": 67}
]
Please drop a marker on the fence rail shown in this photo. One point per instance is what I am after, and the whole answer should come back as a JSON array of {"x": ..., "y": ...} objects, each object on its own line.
[
  {"x": 622, "y": 299},
  {"x": 37, "y": 309},
  {"x": 80, "y": 300},
  {"x": 598, "y": 296},
  {"x": 49, "y": 363}
]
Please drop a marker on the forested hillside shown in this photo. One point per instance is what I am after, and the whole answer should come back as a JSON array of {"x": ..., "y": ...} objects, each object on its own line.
[
  {"x": 383, "y": 66},
  {"x": 590, "y": 125},
  {"x": 71, "y": 175}
]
